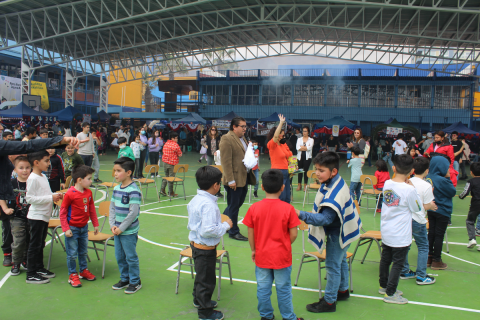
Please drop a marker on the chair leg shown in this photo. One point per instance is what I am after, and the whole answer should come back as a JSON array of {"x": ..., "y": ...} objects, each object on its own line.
[
  {"x": 319, "y": 279},
  {"x": 369, "y": 245},
  {"x": 305, "y": 196},
  {"x": 104, "y": 258},
  {"x": 184, "y": 193},
  {"x": 60, "y": 239},
  {"x": 96, "y": 250},
  {"x": 191, "y": 268},
  {"x": 350, "y": 273},
  {"x": 379, "y": 248},
  {"x": 299, "y": 269},
  {"x": 446, "y": 241},
  {"x": 219, "y": 277},
  {"x": 376, "y": 206},
  {"x": 229, "y": 267},
  {"x": 51, "y": 250},
  {"x": 178, "y": 273},
  {"x": 356, "y": 248}
]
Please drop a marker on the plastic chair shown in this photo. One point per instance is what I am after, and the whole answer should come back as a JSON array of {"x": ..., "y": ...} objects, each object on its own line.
[
  {"x": 372, "y": 180},
  {"x": 221, "y": 170},
  {"x": 367, "y": 237},
  {"x": 150, "y": 169},
  {"x": 102, "y": 238},
  {"x": 314, "y": 186},
  {"x": 178, "y": 169},
  {"x": 319, "y": 258},
  {"x": 53, "y": 226},
  {"x": 187, "y": 253},
  {"x": 68, "y": 184},
  {"x": 106, "y": 185}
]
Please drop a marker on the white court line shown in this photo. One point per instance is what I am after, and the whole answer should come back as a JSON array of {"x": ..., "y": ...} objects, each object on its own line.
[
  {"x": 476, "y": 264},
  {"x": 159, "y": 244},
  {"x": 165, "y": 214},
  {"x": 180, "y": 244}
]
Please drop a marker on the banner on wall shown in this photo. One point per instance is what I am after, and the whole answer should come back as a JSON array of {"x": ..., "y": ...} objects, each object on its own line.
[
  {"x": 40, "y": 89},
  {"x": 264, "y": 127},
  {"x": 10, "y": 89},
  {"x": 221, "y": 124},
  {"x": 335, "y": 130},
  {"x": 394, "y": 131},
  {"x": 87, "y": 118}
]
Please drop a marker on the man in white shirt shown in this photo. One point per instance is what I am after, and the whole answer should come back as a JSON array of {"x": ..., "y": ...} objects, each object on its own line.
[{"x": 400, "y": 146}]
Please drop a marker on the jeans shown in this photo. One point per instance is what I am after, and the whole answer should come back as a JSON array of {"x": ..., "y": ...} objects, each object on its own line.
[
  {"x": 21, "y": 238},
  {"x": 87, "y": 159},
  {"x": 205, "y": 262},
  {"x": 336, "y": 266},
  {"x": 471, "y": 217},
  {"x": 389, "y": 278},
  {"x": 38, "y": 234},
  {"x": 168, "y": 170},
  {"x": 478, "y": 224},
  {"x": 96, "y": 166},
  {"x": 456, "y": 165},
  {"x": 388, "y": 159},
  {"x": 7, "y": 238},
  {"x": 209, "y": 160},
  {"x": 75, "y": 246},
  {"x": 355, "y": 189},
  {"x": 285, "y": 195},
  {"x": 436, "y": 232},
  {"x": 421, "y": 239},
  {"x": 380, "y": 201},
  {"x": 235, "y": 199},
  {"x": 283, "y": 287},
  {"x": 127, "y": 258},
  {"x": 256, "y": 172}
]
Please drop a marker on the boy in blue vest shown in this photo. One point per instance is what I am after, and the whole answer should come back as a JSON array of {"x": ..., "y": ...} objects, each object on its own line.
[
  {"x": 335, "y": 224},
  {"x": 123, "y": 219}
]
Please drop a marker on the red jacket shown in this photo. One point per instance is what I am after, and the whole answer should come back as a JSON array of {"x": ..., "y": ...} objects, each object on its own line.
[
  {"x": 446, "y": 149},
  {"x": 382, "y": 176},
  {"x": 77, "y": 208}
]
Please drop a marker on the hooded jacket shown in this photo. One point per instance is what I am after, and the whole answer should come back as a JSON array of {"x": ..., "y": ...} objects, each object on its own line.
[
  {"x": 446, "y": 149},
  {"x": 443, "y": 188}
]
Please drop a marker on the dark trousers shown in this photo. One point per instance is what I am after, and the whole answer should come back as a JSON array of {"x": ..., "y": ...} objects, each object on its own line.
[
  {"x": 143, "y": 155},
  {"x": 462, "y": 168},
  {"x": 389, "y": 278},
  {"x": 235, "y": 199},
  {"x": 305, "y": 165},
  {"x": 7, "y": 238},
  {"x": 54, "y": 184},
  {"x": 38, "y": 234},
  {"x": 205, "y": 279},
  {"x": 436, "y": 232},
  {"x": 138, "y": 168},
  {"x": 153, "y": 157},
  {"x": 471, "y": 218},
  {"x": 87, "y": 159}
]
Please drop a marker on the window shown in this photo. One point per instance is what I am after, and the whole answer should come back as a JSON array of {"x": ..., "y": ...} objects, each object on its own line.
[
  {"x": 245, "y": 94},
  {"x": 414, "y": 96},
  {"x": 276, "y": 95},
  {"x": 452, "y": 97}
]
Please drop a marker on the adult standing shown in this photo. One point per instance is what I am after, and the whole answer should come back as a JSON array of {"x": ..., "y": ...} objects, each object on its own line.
[
  {"x": 86, "y": 148},
  {"x": 332, "y": 143},
  {"x": 199, "y": 136},
  {"x": 427, "y": 141},
  {"x": 213, "y": 143},
  {"x": 357, "y": 140},
  {"x": 304, "y": 155},
  {"x": 97, "y": 142},
  {"x": 399, "y": 145},
  {"x": 279, "y": 154},
  {"x": 233, "y": 146},
  {"x": 443, "y": 147},
  {"x": 463, "y": 160},
  {"x": 457, "y": 150},
  {"x": 154, "y": 145},
  {"x": 58, "y": 129},
  {"x": 143, "y": 152}
]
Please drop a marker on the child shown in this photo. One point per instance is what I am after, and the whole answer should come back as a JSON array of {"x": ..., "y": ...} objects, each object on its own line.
[
  {"x": 203, "y": 150},
  {"x": 123, "y": 219},
  {"x": 70, "y": 159},
  {"x": 443, "y": 191},
  {"x": 17, "y": 213},
  {"x": 419, "y": 223},
  {"x": 473, "y": 186},
  {"x": 256, "y": 169},
  {"x": 334, "y": 219},
  {"x": 77, "y": 208},
  {"x": 41, "y": 200},
  {"x": 125, "y": 151},
  {"x": 356, "y": 164},
  {"x": 382, "y": 175},
  {"x": 43, "y": 133},
  {"x": 171, "y": 153},
  {"x": 400, "y": 201},
  {"x": 135, "y": 146},
  {"x": 272, "y": 228},
  {"x": 55, "y": 173},
  {"x": 206, "y": 230}
]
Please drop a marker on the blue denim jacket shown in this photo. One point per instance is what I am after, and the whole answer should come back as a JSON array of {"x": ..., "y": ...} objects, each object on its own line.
[{"x": 204, "y": 220}]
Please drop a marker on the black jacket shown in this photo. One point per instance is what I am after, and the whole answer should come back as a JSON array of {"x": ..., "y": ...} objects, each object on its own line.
[
  {"x": 209, "y": 141},
  {"x": 473, "y": 187}
]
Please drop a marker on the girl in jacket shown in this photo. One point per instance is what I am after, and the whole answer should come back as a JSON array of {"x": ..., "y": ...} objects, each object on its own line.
[
  {"x": 304, "y": 155},
  {"x": 440, "y": 145}
]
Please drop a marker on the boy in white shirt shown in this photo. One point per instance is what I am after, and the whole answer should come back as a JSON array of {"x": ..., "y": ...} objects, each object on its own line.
[
  {"x": 419, "y": 223},
  {"x": 41, "y": 199},
  {"x": 400, "y": 201},
  {"x": 400, "y": 146}
]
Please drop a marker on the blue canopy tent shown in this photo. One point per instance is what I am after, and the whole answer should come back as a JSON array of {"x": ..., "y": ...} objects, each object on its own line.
[
  {"x": 193, "y": 118},
  {"x": 67, "y": 114},
  {"x": 460, "y": 128},
  {"x": 223, "y": 123},
  {"x": 101, "y": 116},
  {"x": 345, "y": 127},
  {"x": 22, "y": 110},
  {"x": 274, "y": 118}
]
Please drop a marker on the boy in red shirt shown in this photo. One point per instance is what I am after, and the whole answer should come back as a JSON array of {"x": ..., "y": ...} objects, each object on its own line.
[
  {"x": 77, "y": 208},
  {"x": 171, "y": 153},
  {"x": 272, "y": 228},
  {"x": 256, "y": 169}
]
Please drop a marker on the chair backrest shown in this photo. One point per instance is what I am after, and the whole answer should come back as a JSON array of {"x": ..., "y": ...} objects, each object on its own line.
[
  {"x": 68, "y": 182},
  {"x": 218, "y": 167},
  {"x": 372, "y": 180},
  {"x": 224, "y": 218},
  {"x": 179, "y": 169},
  {"x": 152, "y": 168},
  {"x": 104, "y": 208},
  {"x": 311, "y": 174},
  {"x": 59, "y": 203}
]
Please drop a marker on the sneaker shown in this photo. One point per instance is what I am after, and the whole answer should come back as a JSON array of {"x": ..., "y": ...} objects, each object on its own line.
[
  {"x": 15, "y": 270},
  {"x": 159, "y": 176},
  {"x": 263, "y": 318},
  {"x": 132, "y": 288},
  {"x": 87, "y": 275},
  {"x": 255, "y": 194},
  {"x": 163, "y": 193},
  {"x": 322, "y": 306},
  {"x": 74, "y": 280},
  {"x": 472, "y": 243},
  {"x": 24, "y": 265},
  {"x": 7, "y": 260},
  {"x": 216, "y": 315},
  {"x": 342, "y": 296},
  {"x": 438, "y": 265},
  {"x": 213, "y": 304},
  {"x": 379, "y": 210},
  {"x": 97, "y": 181},
  {"x": 384, "y": 291},
  {"x": 37, "y": 279},
  {"x": 449, "y": 223},
  {"x": 120, "y": 285},
  {"x": 426, "y": 280},
  {"x": 199, "y": 161},
  {"x": 396, "y": 299},
  {"x": 45, "y": 273},
  {"x": 409, "y": 275}
]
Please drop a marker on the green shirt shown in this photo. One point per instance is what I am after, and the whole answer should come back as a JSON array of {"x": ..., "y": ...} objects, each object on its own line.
[
  {"x": 126, "y": 152},
  {"x": 71, "y": 161},
  {"x": 125, "y": 208}
]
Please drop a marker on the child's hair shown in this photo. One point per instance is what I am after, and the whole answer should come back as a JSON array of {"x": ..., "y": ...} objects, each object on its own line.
[
  {"x": 436, "y": 154},
  {"x": 272, "y": 180},
  {"x": 207, "y": 176},
  {"x": 173, "y": 135},
  {"x": 381, "y": 166},
  {"x": 85, "y": 124},
  {"x": 30, "y": 130},
  {"x": 403, "y": 163},
  {"x": 328, "y": 159},
  {"x": 42, "y": 131},
  {"x": 6, "y": 134},
  {"x": 121, "y": 140},
  {"x": 126, "y": 163},
  {"x": 136, "y": 136},
  {"x": 20, "y": 158},
  {"x": 475, "y": 168},
  {"x": 400, "y": 136},
  {"x": 356, "y": 151},
  {"x": 39, "y": 155},
  {"x": 81, "y": 171},
  {"x": 253, "y": 141},
  {"x": 420, "y": 165}
]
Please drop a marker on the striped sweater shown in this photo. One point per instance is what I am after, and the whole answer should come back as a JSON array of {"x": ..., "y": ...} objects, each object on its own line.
[{"x": 125, "y": 208}]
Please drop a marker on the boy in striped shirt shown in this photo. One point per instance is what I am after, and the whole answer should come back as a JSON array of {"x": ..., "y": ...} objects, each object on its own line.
[{"x": 123, "y": 219}]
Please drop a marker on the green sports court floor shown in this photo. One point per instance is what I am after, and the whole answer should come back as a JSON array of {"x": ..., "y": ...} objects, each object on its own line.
[{"x": 163, "y": 233}]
